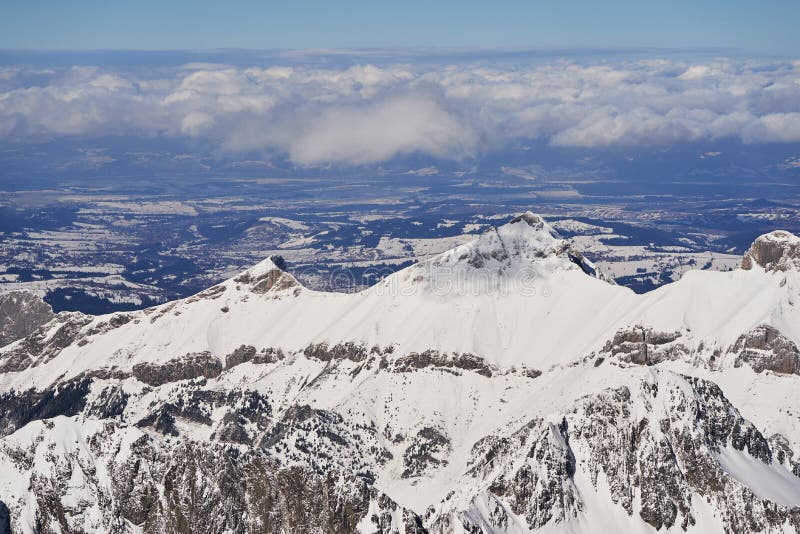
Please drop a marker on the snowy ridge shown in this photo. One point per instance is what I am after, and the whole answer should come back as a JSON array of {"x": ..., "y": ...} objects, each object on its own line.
[
  {"x": 468, "y": 300},
  {"x": 497, "y": 387}
]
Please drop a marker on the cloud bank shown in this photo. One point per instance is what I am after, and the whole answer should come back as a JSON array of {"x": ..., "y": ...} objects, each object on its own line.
[{"x": 367, "y": 114}]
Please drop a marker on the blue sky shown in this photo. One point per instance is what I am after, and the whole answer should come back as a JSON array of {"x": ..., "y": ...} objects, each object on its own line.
[{"x": 764, "y": 27}]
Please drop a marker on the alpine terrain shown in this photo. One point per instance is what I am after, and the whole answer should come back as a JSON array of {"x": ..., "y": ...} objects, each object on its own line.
[{"x": 503, "y": 386}]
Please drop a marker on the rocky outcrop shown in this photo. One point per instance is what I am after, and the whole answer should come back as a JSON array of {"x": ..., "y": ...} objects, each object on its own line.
[
  {"x": 577, "y": 257},
  {"x": 531, "y": 219},
  {"x": 440, "y": 360},
  {"x": 361, "y": 354},
  {"x": 245, "y": 353},
  {"x": 341, "y": 351},
  {"x": 116, "y": 320},
  {"x": 44, "y": 343},
  {"x": 248, "y": 353},
  {"x": 273, "y": 279},
  {"x": 192, "y": 365},
  {"x": 212, "y": 293},
  {"x": 645, "y": 346},
  {"x": 775, "y": 251},
  {"x": 765, "y": 348},
  {"x": 21, "y": 313}
]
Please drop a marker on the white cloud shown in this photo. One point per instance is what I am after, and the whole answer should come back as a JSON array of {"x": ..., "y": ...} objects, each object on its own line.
[
  {"x": 365, "y": 114},
  {"x": 775, "y": 127},
  {"x": 697, "y": 72},
  {"x": 195, "y": 122},
  {"x": 382, "y": 130}
]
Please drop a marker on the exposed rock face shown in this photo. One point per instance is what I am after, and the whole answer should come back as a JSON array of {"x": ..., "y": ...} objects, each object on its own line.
[
  {"x": 436, "y": 359},
  {"x": 116, "y": 320},
  {"x": 190, "y": 487},
  {"x": 194, "y": 365},
  {"x": 530, "y": 218},
  {"x": 245, "y": 353},
  {"x": 644, "y": 346},
  {"x": 245, "y": 419},
  {"x": 349, "y": 351},
  {"x": 775, "y": 251},
  {"x": 45, "y": 342},
  {"x": 212, "y": 293},
  {"x": 400, "y": 363},
  {"x": 765, "y": 349},
  {"x": 21, "y": 312},
  {"x": 541, "y": 488},
  {"x": 652, "y": 448},
  {"x": 577, "y": 257},
  {"x": 273, "y": 279},
  {"x": 248, "y": 353}
]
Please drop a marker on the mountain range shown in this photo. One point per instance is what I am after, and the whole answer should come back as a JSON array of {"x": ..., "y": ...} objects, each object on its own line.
[{"x": 503, "y": 386}]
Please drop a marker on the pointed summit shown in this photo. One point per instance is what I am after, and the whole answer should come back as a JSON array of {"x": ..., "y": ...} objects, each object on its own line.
[
  {"x": 525, "y": 249},
  {"x": 268, "y": 275},
  {"x": 523, "y": 240},
  {"x": 776, "y": 251},
  {"x": 529, "y": 217}
]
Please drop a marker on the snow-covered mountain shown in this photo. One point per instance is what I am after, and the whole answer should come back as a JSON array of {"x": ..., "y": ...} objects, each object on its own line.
[{"x": 502, "y": 386}]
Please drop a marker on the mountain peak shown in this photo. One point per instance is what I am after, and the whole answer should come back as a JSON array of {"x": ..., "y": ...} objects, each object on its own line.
[
  {"x": 525, "y": 246},
  {"x": 529, "y": 217},
  {"x": 526, "y": 238},
  {"x": 268, "y": 275},
  {"x": 776, "y": 251},
  {"x": 271, "y": 263}
]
